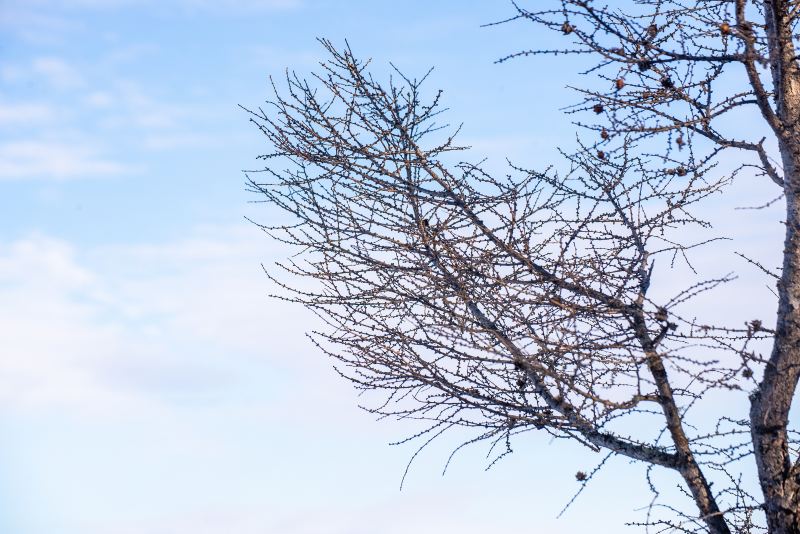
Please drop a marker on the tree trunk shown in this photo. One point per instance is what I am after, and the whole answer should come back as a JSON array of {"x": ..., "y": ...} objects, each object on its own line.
[
  {"x": 769, "y": 412},
  {"x": 778, "y": 474}
]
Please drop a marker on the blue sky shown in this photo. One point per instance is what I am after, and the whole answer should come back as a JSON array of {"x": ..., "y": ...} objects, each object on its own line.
[{"x": 147, "y": 383}]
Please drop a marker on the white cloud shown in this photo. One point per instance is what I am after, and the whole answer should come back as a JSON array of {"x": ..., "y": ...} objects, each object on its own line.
[
  {"x": 225, "y": 6},
  {"x": 42, "y": 347},
  {"x": 11, "y": 73},
  {"x": 134, "y": 106},
  {"x": 37, "y": 26},
  {"x": 57, "y": 73},
  {"x": 52, "y": 160},
  {"x": 24, "y": 113},
  {"x": 133, "y": 326},
  {"x": 176, "y": 140},
  {"x": 40, "y": 261},
  {"x": 234, "y": 6},
  {"x": 54, "y": 71},
  {"x": 100, "y": 99}
]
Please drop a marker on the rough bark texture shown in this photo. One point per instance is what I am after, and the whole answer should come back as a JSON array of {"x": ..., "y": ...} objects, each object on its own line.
[
  {"x": 687, "y": 465},
  {"x": 771, "y": 403},
  {"x": 778, "y": 474}
]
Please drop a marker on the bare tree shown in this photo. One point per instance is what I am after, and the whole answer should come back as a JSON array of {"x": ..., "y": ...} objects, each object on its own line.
[{"x": 523, "y": 302}]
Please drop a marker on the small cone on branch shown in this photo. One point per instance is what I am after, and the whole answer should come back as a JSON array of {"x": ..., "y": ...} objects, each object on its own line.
[
  {"x": 679, "y": 141},
  {"x": 652, "y": 30},
  {"x": 597, "y": 108},
  {"x": 725, "y": 28},
  {"x": 620, "y": 83},
  {"x": 604, "y": 134},
  {"x": 667, "y": 83},
  {"x": 681, "y": 171},
  {"x": 567, "y": 28},
  {"x": 580, "y": 476},
  {"x": 601, "y": 154}
]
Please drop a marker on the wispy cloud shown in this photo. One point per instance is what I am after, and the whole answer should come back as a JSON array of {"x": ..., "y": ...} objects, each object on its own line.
[
  {"x": 234, "y": 6},
  {"x": 25, "y": 113},
  {"x": 35, "y": 23},
  {"x": 39, "y": 341},
  {"x": 72, "y": 147},
  {"x": 176, "y": 140},
  {"x": 129, "y": 103},
  {"x": 131, "y": 325},
  {"x": 223, "y": 6},
  {"x": 51, "y": 71},
  {"x": 23, "y": 160},
  {"x": 57, "y": 72},
  {"x": 99, "y": 99}
]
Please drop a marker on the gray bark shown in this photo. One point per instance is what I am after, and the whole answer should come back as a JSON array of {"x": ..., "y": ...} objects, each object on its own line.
[{"x": 779, "y": 475}]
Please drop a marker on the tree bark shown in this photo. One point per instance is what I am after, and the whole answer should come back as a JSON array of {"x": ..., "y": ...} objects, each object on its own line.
[
  {"x": 778, "y": 474},
  {"x": 687, "y": 465},
  {"x": 769, "y": 414}
]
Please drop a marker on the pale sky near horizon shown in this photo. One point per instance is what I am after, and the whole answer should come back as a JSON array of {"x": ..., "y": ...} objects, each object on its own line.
[{"x": 148, "y": 385}]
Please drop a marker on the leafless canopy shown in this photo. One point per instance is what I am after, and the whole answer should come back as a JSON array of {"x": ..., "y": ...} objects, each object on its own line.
[
  {"x": 668, "y": 68},
  {"x": 521, "y": 302}
]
